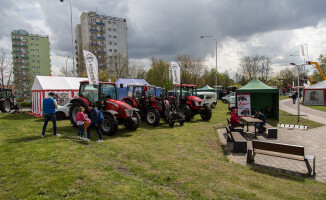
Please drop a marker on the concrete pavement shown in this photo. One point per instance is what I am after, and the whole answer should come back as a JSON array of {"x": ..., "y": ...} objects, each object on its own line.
[{"x": 312, "y": 139}]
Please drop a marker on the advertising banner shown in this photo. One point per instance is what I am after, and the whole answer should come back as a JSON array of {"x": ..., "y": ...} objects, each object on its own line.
[
  {"x": 244, "y": 106},
  {"x": 91, "y": 67},
  {"x": 175, "y": 71}
]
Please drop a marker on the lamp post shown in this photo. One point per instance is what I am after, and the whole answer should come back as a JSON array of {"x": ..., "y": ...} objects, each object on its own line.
[
  {"x": 298, "y": 66},
  {"x": 66, "y": 66},
  {"x": 72, "y": 40},
  {"x": 216, "y": 60}
]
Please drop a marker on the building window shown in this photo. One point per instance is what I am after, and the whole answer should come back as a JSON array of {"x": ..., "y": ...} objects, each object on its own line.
[
  {"x": 38, "y": 61},
  {"x": 109, "y": 29},
  {"x": 109, "y": 22},
  {"x": 33, "y": 61},
  {"x": 36, "y": 45},
  {"x": 114, "y": 30},
  {"x": 37, "y": 50},
  {"x": 38, "y": 56},
  {"x": 115, "y": 37},
  {"x": 32, "y": 44},
  {"x": 110, "y": 50},
  {"x": 32, "y": 38},
  {"x": 115, "y": 50},
  {"x": 114, "y": 22},
  {"x": 115, "y": 44},
  {"x": 110, "y": 43},
  {"x": 36, "y": 39}
]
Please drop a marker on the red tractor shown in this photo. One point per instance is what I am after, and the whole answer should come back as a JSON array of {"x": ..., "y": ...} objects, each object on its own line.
[
  {"x": 151, "y": 108},
  {"x": 104, "y": 97},
  {"x": 190, "y": 104}
]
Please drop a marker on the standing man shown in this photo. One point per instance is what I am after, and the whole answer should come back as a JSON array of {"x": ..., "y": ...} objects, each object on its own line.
[
  {"x": 94, "y": 122},
  {"x": 49, "y": 106},
  {"x": 262, "y": 117}
]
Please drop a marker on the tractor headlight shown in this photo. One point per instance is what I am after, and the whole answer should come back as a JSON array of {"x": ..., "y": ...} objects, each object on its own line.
[{"x": 129, "y": 112}]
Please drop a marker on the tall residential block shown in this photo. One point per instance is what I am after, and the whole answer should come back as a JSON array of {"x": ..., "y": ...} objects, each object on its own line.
[
  {"x": 31, "y": 57},
  {"x": 104, "y": 36}
]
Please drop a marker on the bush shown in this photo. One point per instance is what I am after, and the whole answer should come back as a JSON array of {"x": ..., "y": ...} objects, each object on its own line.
[{"x": 25, "y": 104}]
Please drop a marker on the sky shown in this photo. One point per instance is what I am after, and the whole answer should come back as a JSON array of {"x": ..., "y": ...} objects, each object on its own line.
[{"x": 168, "y": 28}]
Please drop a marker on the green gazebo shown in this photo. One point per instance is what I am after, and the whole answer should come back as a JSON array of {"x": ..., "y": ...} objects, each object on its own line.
[
  {"x": 262, "y": 97},
  {"x": 208, "y": 88}
]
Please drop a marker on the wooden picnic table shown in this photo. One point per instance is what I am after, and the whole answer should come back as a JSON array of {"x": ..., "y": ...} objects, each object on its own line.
[{"x": 251, "y": 120}]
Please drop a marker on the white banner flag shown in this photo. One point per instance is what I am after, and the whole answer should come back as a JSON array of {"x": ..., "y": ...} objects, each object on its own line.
[
  {"x": 303, "y": 51},
  {"x": 91, "y": 67},
  {"x": 175, "y": 71}
]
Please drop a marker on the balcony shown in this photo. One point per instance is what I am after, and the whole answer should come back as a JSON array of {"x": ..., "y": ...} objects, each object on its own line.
[
  {"x": 16, "y": 39},
  {"x": 24, "y": 57},
  {"x": 25, "y": 68},
  {"x": 101, "y": 52},
  {"x": 100, "y": 38},
  {"x": 17, "y": 51},
  {"x": 20, "y": 45},
  {"x": 99, "y": 23},
  {"x": 94, "y": 44},
  {"x": 93, "y": 30}
]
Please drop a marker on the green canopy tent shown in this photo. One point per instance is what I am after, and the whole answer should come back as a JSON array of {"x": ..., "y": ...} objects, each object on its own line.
[
  {"x": 262, "y": 97},
  {"x": 208, "y": 88}
]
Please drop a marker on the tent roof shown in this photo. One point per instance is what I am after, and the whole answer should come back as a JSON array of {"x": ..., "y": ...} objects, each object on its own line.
[
  {"x": 320, "y": 85},
  {"x": 206, "y": 87},
  {"x": 56, "y": 83},
  {"x": 256, "y": 86},
  {"x": 125, "y": 81}
]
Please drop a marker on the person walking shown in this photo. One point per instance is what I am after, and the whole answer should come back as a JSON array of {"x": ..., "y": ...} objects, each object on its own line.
[
  {"x": 294, "y": 97},
  {"x": 94, "y": 123},
  {"x": 80, "y": 119},
  {"x": 49, "y": 105},
  {"x": 262, "y": 117}
]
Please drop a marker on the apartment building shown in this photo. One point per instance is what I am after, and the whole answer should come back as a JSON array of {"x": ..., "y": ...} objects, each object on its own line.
[
  {"x": 104, "y": 36},
  {"x": 31, "y": 57}
]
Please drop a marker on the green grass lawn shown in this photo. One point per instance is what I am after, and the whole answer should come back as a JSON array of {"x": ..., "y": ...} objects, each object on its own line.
[
  {"x": 321, "y": 108},
  {"x": 150, "y": 163}
]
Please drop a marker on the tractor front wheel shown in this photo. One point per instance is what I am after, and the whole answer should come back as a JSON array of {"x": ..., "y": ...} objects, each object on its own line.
[
  {"x": 153, "y": 117},
  {"x": 109, "y": 126},
  {"x": 73, "y": 110},
  {"x": 186, "y": 112},
  {"x": 206, "y": 114},
  {"x": 5, "y": 106}
]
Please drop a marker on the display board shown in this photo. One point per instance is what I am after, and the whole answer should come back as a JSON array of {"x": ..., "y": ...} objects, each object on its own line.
[{"x": 244, "y": 106}]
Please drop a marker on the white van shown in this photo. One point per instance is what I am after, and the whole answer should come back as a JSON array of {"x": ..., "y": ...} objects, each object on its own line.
[{"x": 209, "y": 98}]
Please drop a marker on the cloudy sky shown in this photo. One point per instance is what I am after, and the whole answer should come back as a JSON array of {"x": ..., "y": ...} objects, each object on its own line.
[{"x": 167, "y": 28}]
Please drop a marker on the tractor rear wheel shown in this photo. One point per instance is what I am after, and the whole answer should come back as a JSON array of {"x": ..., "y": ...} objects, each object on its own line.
[
  {"x": 186, "y": 112},
  {"x": 5, "y": 106},
  {"x": 73, "y": 110},
  {"x": 109, "y": 126},
  {"x": 153, "y": 117},
  {"x": 206, "y": 114}
]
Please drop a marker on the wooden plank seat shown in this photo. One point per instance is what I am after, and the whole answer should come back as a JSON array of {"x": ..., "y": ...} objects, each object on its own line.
[
  {"x": 234, "y": 129},
  {"x": 271, "y": 131},
  {"x": 239, "y": 142},
  {"x": 288, "y": 151}
]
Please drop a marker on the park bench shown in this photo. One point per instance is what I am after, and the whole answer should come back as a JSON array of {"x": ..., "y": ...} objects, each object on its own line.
[
  {"x": 239, "y": 142},
  {"x": 288, "y": 151},
  {"x": 270, "y": 130},
  {"x": 234, "y": 129}
]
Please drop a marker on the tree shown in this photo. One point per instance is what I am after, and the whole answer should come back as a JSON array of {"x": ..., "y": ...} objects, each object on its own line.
[
  {"x": 158, "y": 74},
  {"x": 255, "y": 67},
  {"x": 118, "y": 65},
  {"x": 137, "y": 70},
  {"x": 316, "y": 77},
  {"x": 191, "y": 69},
  {"x": 6, "y": 70}
]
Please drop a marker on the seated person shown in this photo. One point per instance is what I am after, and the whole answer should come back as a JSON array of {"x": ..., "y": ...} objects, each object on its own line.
[
  {"x": 262, "y": 117},
  {"x": 235, "y": 119}
]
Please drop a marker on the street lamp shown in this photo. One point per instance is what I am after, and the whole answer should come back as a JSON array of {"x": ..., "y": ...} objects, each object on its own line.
[
  {"x": 216, "y": 60},
  {"x": 298, "y": 66},
  {"x": 72, "y": 39},
  {"x": 66, "y": 66}
]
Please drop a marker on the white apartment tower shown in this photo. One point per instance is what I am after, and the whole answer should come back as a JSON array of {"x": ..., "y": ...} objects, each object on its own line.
[{"x": 104, "y": 36}]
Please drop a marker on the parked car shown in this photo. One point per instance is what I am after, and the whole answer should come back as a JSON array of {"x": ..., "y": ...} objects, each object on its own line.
[
  {"x": 209, "y": 98},
  {"x": 232, "y": 101},
  {"x": 63, "y": 111},
  {"x": 225, "y": 99}
]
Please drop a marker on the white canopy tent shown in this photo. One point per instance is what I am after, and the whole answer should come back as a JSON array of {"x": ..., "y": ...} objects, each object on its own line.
[
  {"x": 315, "y": 94},
  {"x": 65, "y": 87}
]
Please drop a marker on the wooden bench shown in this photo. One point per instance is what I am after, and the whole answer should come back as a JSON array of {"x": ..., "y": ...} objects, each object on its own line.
[
  {"x": 271, "y": 131},
  {"x": 234, "y": 129},
  {"x": 293, "y": 152},
  {"x": 240, "y": 143}
]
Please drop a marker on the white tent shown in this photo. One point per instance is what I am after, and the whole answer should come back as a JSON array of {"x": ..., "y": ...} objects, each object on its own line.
[
  {"x": 315, "y": 94},
  {"x": 65, "y": 87}
]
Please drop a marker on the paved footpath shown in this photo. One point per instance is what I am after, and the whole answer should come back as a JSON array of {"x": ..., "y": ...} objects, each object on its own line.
[{"x": 312, "y": 139}]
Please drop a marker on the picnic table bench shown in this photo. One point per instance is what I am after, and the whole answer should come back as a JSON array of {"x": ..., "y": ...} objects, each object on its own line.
[
  {"x": 240, "y": 143},
  {"x": 288, "y": 151},
  {"x": 234, "y": 129}
]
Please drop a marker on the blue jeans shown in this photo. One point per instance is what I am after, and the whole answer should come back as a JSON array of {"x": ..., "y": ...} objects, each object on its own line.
[
  {"x": 80, "y": 130},
  {"x": 52, "y": 117},
  {"x": 97, "y": 130},
  {"x": 259, "y": 127}
]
